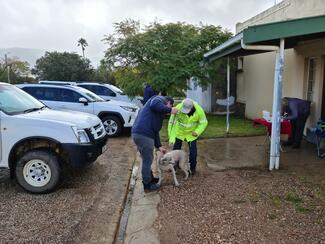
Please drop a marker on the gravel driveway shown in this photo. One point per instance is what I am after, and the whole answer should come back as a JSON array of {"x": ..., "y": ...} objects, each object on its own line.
[
  {"x": 245, "y": 206},
  {"x": 85, "y": 209}
]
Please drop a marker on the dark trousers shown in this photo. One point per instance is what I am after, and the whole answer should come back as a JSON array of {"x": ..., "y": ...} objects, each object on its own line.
[
  {"x": 193, "y": 152},
  {"x": 298, "y": 126},
  {"x": 145, "y": 146}
]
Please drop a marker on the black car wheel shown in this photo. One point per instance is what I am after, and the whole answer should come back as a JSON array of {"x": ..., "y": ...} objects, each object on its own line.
[{"x": 38, "y": 171}]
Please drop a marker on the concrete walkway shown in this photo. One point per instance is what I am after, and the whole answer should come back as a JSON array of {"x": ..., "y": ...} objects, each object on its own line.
[{"x": 143, "y": 214}]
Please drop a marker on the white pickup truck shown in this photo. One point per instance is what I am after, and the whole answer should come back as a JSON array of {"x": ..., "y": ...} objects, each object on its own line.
[{"x": 36, "y": 142}]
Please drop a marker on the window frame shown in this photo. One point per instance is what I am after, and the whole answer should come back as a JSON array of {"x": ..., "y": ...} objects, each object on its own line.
[{"x": 310, "y": 86}]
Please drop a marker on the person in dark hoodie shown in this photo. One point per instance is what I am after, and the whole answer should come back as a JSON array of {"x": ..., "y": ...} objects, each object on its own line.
[
  {"x": 145, "y": 134},
  {"x": 297, "y": 111},
  {"x": 148, "y": 92}
]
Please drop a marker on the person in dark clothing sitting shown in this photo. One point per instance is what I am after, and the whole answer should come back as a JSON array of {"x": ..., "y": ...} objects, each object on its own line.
[
  {"x": 297, "y": 111},
  {"x": 147, "y": 93},
  {"x": 145, "y": 134}
]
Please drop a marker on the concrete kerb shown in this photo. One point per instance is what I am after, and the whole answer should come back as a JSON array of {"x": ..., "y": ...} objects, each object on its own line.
[
  {"x": 143, "y": 213},
  {"x": 124, "y": 211}
]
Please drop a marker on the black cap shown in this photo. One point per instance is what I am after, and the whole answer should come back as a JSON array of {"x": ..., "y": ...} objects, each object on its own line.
[{"x": 169, "y": 99}]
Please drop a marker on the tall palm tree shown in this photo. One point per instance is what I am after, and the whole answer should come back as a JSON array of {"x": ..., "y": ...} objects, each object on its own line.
[{"x": 83, "y": 43}]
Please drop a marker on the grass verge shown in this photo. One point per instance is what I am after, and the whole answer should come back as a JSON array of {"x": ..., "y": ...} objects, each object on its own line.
[{"x": 217, "y": 128}]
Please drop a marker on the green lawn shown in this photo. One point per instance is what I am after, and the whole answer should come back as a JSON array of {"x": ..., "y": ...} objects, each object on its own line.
[{"x": 217, "y": 128}]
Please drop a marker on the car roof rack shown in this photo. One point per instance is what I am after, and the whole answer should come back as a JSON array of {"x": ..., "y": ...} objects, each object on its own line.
[{"x": 52, "y": 82}]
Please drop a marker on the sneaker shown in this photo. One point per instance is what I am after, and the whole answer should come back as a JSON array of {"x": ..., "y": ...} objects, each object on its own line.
[
  {"x": 151, "y": 187},
  {"x": 154, "y": 179}
]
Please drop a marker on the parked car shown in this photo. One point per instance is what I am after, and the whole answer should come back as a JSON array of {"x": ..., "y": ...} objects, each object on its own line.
[
  {"x": 37, "y": 142},
  {"x": 109, "y": 92},
  {"x": 115, "y": 115}
]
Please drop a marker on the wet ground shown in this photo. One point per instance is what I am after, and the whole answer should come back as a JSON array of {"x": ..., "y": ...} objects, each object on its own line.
[
  {"x": 245, "y": 203},
  {"x": 85, "y": 208},
  {"x": 237, "y": 152}
]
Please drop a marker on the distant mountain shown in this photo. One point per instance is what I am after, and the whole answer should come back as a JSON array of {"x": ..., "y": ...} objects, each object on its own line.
[{"x": 25, "y": 54}]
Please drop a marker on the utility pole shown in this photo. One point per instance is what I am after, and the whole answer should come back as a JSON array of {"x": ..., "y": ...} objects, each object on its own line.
[{"x": 8, "y": 67}]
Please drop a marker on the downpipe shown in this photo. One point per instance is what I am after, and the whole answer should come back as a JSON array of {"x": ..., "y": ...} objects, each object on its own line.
[{"x": 277, "y": 97}]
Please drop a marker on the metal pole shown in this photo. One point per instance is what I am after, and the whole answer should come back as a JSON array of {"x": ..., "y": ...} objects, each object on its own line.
[
  {"x": 228, "y": 92},
  {"x": 276, "y": 111},
  {"x": 279, "y": 109}
]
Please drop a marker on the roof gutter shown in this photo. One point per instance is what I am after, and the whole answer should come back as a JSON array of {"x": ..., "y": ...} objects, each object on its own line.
[
  {"x": 225, "y": 45},
  {"x": 258, "y": 47},
  {"x": 238, "y": 39}
]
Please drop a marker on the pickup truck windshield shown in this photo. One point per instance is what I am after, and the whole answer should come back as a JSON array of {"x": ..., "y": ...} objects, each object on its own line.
[{"x": 15, "y": 101}]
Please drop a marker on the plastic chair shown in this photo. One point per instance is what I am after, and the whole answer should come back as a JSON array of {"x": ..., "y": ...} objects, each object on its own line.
[{"x": 223, "y": 102}]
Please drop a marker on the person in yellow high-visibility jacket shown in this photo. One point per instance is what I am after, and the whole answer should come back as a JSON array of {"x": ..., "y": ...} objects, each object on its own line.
[{"x": 187, "y": 125}]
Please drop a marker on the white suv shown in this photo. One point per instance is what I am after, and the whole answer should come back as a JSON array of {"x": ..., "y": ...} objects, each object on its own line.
[
  {"x": 37, "y": 142},
  {"x": 115, "y": 115},
  {"x": 109, "y": 92}
]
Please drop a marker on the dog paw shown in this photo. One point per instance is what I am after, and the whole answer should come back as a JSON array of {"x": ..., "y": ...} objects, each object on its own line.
[{"x": 177, "y": 184}]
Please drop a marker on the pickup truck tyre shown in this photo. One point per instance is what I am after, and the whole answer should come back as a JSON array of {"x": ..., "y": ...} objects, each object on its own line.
[
  {"x": 113, "y": 125},
  {"x": 38, "y": 171}
]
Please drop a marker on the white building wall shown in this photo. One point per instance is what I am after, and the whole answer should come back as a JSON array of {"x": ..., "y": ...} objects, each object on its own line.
[
  {"x": 241, "y": 88},
  {"x": 258, "y": 76}
]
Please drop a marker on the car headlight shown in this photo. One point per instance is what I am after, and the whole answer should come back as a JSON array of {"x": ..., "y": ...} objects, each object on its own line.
[
  {"x": 81, "y": 135},
  {"x": 130, "y": 109}
]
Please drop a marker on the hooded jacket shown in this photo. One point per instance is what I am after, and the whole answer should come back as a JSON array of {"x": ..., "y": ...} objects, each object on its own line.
[
  {"x": 150, "y": 119},
  {"x": 181, "y": 125}
]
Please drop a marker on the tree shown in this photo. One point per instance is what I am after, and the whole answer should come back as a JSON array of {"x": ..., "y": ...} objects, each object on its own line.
[
  {"x": 103, "y": 73},
  {"x": 165, "y": 55},
  {"x": 63, "y": 66},
  {"x": 83, "y": 43},
  {"x": 19, "y": 71}
]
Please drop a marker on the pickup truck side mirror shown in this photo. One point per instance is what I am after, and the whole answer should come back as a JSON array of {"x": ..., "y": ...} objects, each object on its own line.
[{"x": 83, "y": 100}]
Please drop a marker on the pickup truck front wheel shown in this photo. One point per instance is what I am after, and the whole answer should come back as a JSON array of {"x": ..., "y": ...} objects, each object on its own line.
[{"x": 38, "y": 171}]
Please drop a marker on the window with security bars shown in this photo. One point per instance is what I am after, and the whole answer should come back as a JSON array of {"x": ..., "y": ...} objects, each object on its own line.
[{"x": 311, "y": 78}]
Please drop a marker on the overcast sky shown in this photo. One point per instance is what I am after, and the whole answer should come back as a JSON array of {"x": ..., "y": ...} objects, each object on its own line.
[{"x": 58, "y": 24}]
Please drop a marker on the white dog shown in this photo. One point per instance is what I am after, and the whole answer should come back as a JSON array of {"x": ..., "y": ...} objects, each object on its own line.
[{"x": 167, "y": 162}]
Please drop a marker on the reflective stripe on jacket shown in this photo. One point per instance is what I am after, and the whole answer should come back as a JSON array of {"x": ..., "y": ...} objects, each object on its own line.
[{"x": 181, "y": 125}]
